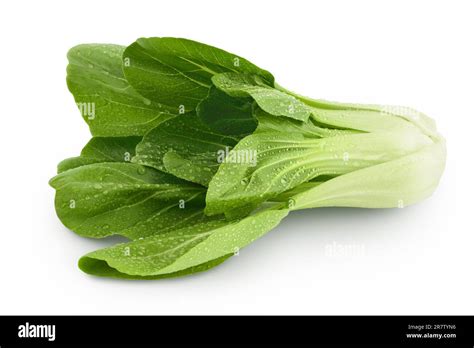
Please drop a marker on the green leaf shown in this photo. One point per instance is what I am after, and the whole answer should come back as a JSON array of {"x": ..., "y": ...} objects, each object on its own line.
[
  {"x": 177, "y": 72},
  {"x": 310, "y": 129},
  {"x": 100, "y": 268},
  {"x": 226, "y": 115},
  {"x": 106, "y": 100},
  {"x": 271, "y": 100},
  {"x": 98, "y": 149},
  {"x": 184, "y": 147},
  {"x": 286, "y": 160},
  {"x": 166, "y": 254},
  {"x": 126, "y": 199}
]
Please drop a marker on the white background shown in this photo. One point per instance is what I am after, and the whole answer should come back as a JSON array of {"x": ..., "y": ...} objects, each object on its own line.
[{"x": 417, "y": 260}]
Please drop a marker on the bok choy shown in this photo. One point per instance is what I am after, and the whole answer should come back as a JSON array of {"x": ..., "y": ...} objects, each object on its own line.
[{"x": 196, "y": 152}]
